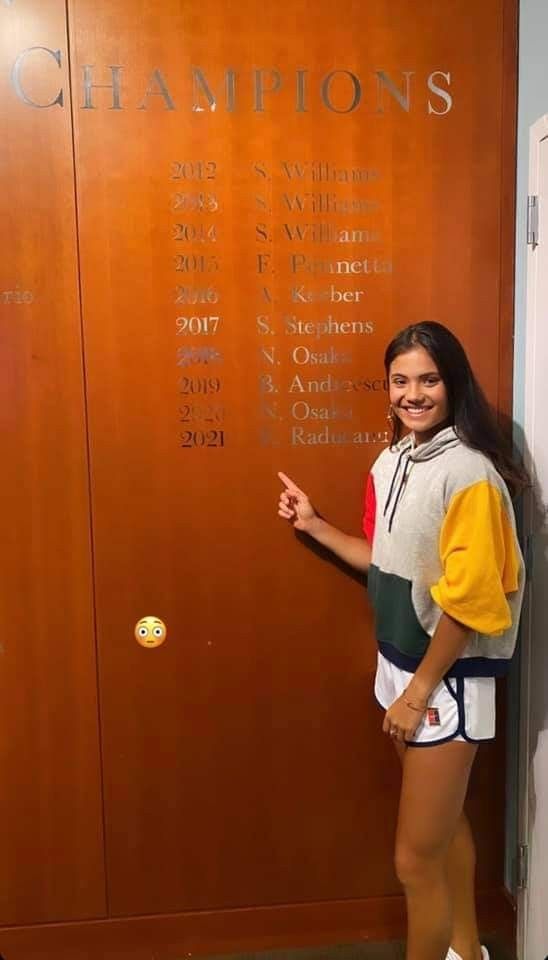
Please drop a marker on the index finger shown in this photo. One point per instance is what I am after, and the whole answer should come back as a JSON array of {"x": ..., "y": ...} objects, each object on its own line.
[{"x": 292, "y": 487}]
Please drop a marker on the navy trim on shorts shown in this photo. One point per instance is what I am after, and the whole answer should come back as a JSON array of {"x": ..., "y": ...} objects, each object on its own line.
[
  {"x": 457, "y": 695},
  {"x": 461, "y": 715}
]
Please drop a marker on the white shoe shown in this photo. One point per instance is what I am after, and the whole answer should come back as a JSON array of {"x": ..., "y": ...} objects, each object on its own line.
[{"x": 453, "y": 955}]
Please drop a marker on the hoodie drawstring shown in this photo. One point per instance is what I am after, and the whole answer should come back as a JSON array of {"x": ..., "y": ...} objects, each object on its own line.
[
  {"x": 394, "y": 476},
  {"x": 398, "y": 492},
  {"x": 406, "y": 470}
]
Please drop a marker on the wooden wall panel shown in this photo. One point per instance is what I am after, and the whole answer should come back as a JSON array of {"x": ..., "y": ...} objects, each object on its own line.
[
  {"x": 50, "y": 801},
  {"x": 244, "y": 756},
  {"x": 207, "y": 933}
]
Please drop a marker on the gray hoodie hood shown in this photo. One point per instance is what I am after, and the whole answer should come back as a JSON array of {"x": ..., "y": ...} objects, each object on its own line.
[{"x": 408, "y": 452}]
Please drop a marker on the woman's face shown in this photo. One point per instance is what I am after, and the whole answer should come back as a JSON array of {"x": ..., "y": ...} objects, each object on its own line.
[{"x": 417, "y": 393}]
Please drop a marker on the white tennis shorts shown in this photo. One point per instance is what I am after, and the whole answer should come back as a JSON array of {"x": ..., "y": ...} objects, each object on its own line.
[{"x": 460, "y": 708}]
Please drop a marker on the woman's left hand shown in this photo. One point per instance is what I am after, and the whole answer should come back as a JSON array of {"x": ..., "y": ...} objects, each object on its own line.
[{"x": 401, "y": 721}]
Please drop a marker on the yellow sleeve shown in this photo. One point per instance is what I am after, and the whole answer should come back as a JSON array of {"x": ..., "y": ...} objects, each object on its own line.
[{"x": 480, "y": 560}]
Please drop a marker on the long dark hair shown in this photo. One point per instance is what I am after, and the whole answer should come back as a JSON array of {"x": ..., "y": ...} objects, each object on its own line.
[{"x": 474, "y": 419}]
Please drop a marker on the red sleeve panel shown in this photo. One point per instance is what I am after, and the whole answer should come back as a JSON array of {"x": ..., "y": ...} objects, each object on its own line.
[{"x": 368, "y": 524}]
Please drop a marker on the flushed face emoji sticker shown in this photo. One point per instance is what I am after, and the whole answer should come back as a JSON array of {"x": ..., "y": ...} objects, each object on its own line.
[{"x": 150, "y": 631}]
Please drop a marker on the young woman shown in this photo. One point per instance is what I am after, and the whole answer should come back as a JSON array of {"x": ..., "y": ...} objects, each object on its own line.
[{"x": 445, "y": 577}]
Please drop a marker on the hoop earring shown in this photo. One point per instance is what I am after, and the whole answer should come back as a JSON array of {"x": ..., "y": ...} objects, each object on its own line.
[{"x": 390, "y": 416}]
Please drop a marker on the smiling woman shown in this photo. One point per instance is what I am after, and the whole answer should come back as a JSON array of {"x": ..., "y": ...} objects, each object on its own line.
[
  {"x": 417, "y": 393},
  {"x": 430, "y": 355},
  {"x": 445, "y": 579}
]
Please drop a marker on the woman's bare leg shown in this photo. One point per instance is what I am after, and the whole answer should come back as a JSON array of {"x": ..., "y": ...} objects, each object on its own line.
[
  {"x": 461, "y": 869},
  {"x": 461, "y": 864},
  {"x": 434, "y": 784}
]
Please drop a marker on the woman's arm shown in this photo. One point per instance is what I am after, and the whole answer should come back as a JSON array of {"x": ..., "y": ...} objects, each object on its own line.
[
  {"x": 353, "y": 550},
  {"x": 295, "y": 506},
  {"x": 446, "y": 646}
]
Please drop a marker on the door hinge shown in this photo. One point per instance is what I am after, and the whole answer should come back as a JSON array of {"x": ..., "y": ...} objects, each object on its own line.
[
  {"x": 532, "y": 221},
  {"x": 522, "y": 866}
]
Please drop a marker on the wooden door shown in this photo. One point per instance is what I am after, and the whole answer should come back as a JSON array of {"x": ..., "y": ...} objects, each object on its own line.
[
  {"x": 50, "y": 800},
  {"x": 266, "y": 194}
]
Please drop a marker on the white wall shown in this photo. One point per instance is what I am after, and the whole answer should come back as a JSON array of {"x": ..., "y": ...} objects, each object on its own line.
[{"x": 532, "y": 104}]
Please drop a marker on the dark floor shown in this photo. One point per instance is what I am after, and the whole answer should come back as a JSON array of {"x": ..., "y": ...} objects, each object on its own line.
[{"x": 365, "y": 951}]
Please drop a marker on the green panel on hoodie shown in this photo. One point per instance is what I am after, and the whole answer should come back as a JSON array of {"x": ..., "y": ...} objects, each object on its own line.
[{"x": 395, "y": 619}]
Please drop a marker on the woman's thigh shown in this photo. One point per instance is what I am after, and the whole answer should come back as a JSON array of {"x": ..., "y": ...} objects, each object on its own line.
[{"x": 434, "y": 784}]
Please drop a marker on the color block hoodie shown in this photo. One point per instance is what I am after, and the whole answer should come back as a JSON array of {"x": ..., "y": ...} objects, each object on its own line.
[{"x": 442, "y": 529}]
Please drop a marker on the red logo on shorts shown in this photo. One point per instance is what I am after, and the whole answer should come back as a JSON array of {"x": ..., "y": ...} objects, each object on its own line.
[{"x": 433, "y": 716}]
